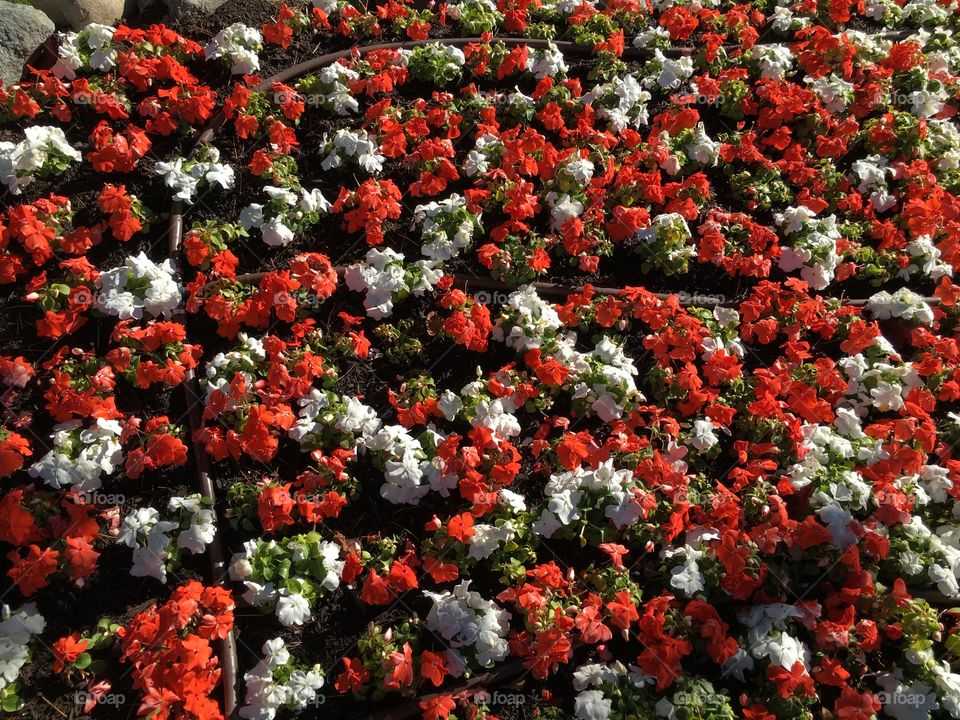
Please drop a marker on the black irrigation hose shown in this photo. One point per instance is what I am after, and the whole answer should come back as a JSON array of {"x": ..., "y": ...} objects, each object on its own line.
[{"x": 228, "y": 647}]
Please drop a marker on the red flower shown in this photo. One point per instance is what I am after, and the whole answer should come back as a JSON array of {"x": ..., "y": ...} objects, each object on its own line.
[
  {"x": 32, "y": 572},
  {"x": 433, "y": 667},
  {"x": 275, "y": 507},
  {"x": 353, "y": 676},
  {"x": 66, "y": 650}
]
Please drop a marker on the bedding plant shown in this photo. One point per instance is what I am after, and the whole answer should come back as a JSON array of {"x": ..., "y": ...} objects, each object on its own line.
[{"x": 549, "y": 360}]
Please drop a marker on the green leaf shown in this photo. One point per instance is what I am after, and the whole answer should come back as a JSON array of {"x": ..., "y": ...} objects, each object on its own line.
[{"x": 83, "y": 661}]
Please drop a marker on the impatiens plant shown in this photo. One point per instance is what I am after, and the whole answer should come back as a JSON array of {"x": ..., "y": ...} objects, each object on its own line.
[
  {"x": 155, "y": 549},
  {"x": 17, "y": 628},
  {"x": 44, "y": 151},
  {"x": 202, "y": 169},
  {"x": 288, "y": 576},
  {"x": 278, "y": 681},
  {"x": 237, "y": 46},
  {"x": 385, "y": 279},
  {"x": 138, "y": 288}
]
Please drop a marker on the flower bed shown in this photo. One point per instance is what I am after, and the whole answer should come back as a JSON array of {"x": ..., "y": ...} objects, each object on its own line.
[{"x": 503, "y": 361}]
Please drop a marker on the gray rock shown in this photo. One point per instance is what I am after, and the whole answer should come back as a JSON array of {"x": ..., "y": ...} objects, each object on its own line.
[
  {"x": 22, "y": 30},
  {"x": 77, "y": 14}
]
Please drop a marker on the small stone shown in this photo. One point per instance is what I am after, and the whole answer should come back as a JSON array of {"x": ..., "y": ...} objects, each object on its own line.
[{"x": 22, "y": 30}]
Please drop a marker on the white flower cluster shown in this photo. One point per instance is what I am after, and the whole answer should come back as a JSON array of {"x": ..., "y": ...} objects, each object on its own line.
[
  {"x": 468, "y": 621},
  {"x": 830, "y": 454},
  {"x": 528, "y": 318},
  {"x": 572, "y": 493},
  {"x": 768, "y": 638},
  {"x": 149, "y": 536},
  {"x": 266, "y": 692},
  {"x": 563, "y": 207},
  {"x": 601, "y": 381},
  {"x": 17, "y": 627},
  {"x": 314, "y": 566},
  {"x": 925, "y": 258},
  {"x": 284, "y": 214},
  {"x": 622, "y": 102},
  {"x": 348, "y": 416},
  {"x": 446, "y": 227},
  {"x": 774, "y": 61},
  {"x": 813, "y": 248},
  {"x": 943, "y": 139},
  {"x": 246, "y": 359},
  {"x": 80, "y": 456},
  {"x": 725, "y": 334},
  {"x": 937, "y": 553},
  {"x": 331, "y": 88},
  {"x": 410, "y": 470},
  {"x": 669, "y": 236},
  {"x": 875, "y": 383},
  {"x": 237, "y": 45},
  {"x": 44, "y": 149},
  {"x": 354, "y": 147},
  {"x": 667, "y": 73},
  {"x": 483, "y": 409},
  {"x": 687, "y": 577},
  {"x": 487, "y": 148},
  {"x": 185, "y": 175},
  {"x": 137, "y": 288},
  {"x": 702, "y": 148},
  {"x": 90, "y": 49},
  {"x": 546, "y": 62},
  {"x": 835, "y": 92},
  {"x": 385, "y": 279},
  {"x": 871, "y": 173},
  {"x": 439, "y": 57},
  {"x": 903, "y": 303}
]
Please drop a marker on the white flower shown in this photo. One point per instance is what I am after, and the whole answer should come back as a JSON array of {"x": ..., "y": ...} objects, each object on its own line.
[
  {"x": 20, "y": 162},
  {"x": 672, "y": 72},
  {"x": 924, "y": 699},
  {"x": 17, "y": 627},
  {"x": 238, "y": 45},
  {"x": 592, "y": 705},
  {"x": 703, "y": 437},
  {"x": 467, "y": 620},
  {"x": 186, "y": 174},
  {"x": 945, "y": 580},
  {"x": 293, "y": 609},
  {"x": 782, "y": 649},
  {"x": 137, "y": 287},
  {"x": 275, "y": 233},
  {"x": 774, "y": 60}
]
